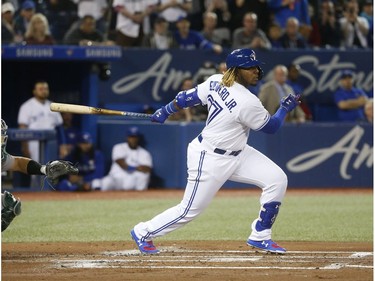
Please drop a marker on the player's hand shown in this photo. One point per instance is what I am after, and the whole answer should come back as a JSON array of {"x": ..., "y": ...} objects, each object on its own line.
[
  {"x": 160, "y": 115},
  {"x": 290, "y": 102}
]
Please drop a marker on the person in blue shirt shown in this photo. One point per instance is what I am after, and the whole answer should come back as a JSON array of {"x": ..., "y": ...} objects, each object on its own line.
[
  {"x": 88, "y": 160},
  {"x": 284, "y": 9},
  {"x": 67, "y": 135},
  {"x": 349, "y": 99},
  {"x": 192, "y": 40}
]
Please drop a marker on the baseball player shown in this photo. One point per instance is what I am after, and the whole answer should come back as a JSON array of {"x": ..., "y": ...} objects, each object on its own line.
[
  {"x": 35, "y": 114},
  {"x": 10, "y": 206},
  {"x": 220, "y": 152},
  {"x": 131, "y": 166}
]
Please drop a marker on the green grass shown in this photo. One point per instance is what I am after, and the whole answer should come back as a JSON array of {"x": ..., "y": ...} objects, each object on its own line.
[{"x": 302, "y": 218}]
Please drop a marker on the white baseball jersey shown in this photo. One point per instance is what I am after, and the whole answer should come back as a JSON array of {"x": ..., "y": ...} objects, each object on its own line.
[
  {"x": 232, "y": 113},
  {"x": 118, "y": 178},
  {"x": 132, "y": 157},
  {"x": 91, "y": 7},
  {"x": 38, "y": 116},
  {"x": 124, "y": 24},
  {"x": 173, "y": 13}
]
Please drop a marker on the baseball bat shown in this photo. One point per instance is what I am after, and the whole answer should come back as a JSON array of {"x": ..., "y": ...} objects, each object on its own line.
[{"x": 84, "y": 109}]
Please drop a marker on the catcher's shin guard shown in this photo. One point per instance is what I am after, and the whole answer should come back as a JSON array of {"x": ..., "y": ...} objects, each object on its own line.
[
  {"x": 11, "y": 207},
  {"x": 267, "y": 215}
]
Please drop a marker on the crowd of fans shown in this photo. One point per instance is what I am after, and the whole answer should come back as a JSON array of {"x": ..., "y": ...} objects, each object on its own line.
[{"x": 190, "y": 24}]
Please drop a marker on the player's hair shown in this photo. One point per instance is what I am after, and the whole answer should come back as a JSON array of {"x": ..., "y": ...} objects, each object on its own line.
[{"x": 229, "y": 77}]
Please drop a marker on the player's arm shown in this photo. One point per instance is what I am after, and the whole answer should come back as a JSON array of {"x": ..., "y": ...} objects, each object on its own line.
[
  {"x": 352, "y": 103},
  {"x": 53, "y": 169},
  {"x": 27, "y": 166},
  {"x": 287, "y": 104},
  {"x": 184, "y": 99}
]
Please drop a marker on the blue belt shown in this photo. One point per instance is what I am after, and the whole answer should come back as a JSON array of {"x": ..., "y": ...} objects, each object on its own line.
[{"x": 221, "y": 151}]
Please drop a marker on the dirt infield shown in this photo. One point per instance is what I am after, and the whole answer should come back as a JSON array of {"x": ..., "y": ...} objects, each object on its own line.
[
  {"x": 198, "y": 260},
  {"x": 191, "y": 260}
]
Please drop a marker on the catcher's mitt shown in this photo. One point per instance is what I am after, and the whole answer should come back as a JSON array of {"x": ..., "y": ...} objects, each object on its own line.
[{"x": 58, "y": 168}]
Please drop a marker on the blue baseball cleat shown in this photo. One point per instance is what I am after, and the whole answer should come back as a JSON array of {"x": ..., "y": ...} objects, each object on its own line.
[
  {"x": 267, "y": 246},
  {"x": 146, "y": 247}
]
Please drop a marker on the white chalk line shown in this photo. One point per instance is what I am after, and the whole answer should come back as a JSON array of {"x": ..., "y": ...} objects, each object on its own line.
[
  {"x": 171, "y": 250},
  {"x": 103, "y": 265},
  {"x": 128, "y": 261}
]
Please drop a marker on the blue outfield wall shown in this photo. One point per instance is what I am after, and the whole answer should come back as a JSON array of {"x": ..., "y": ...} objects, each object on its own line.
[{"x": 312, "y": 155}]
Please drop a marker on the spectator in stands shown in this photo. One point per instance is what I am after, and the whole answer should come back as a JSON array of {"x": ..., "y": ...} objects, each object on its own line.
[
  {"x": 292, "y": 39},
  {"x": 35, "y": 114},
  {"x": 250, "y": 36},
  {"x": 294, "y": 73},
  {"x": 329, "y": 25},
  {"x": 220, "y": 8},
  {"x": 161, "y": 37},
  {"x": 68, "y": 136},
  {"x": 350, "y": 100},
  {"x": 23, "y": 19},
  {"x": 172, "y": 10},
  {"x": 368, "y": 13},
  {"x": 220, "y": 36},
  {"x": 8, "y": 33},
  {"x": 61, "y": 14},
  {"x": 85, "y": 34},
  {"x": 238, "y": 9},
  {"x": 312, "y": 33},
  {"x": 354, "y": 27},
  {"x": 285, "y": 9},
  {"x": 369, "y": 110},
  {"x": 88, "y": 160},
  {"x": 95, "y": 8},
  {"x": 196, "y": 13},
  {"x": 131, "y": 166},
  {"x": 38, "y": 32},
  {"x": 129, "y": 23},
  {"x": 192, "y": 40},
  {"x": 272, "y": 91},
  {"x": 274, "y": 34}
]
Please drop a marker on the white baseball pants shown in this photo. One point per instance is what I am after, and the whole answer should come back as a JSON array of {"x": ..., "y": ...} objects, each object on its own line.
[{"x": 207, "y": 172}]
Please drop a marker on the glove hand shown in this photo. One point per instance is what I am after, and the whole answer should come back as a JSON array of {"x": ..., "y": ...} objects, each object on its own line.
[
  {"x": 290, "y": 102},
  {"x": 58, "y": 168},
  {"x": 160, "y": 115}
]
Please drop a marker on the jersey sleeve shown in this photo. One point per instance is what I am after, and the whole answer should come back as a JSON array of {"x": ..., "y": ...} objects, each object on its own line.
[
  {"x": 7, "y": 161},
  {"x": 146, "y": 159},
  {"x": 255, "y": 116},
  {"x": 22, "y": 115},
  {"x": 118, "y": 152},
  {"x": 58, "y": 119}
]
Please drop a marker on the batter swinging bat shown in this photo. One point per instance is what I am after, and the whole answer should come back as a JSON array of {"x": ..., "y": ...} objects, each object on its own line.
[{"x": 84, "y": 109}]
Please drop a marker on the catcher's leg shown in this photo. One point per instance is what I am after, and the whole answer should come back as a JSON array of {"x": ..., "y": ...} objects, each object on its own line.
[{"x": 11, "y": 207}]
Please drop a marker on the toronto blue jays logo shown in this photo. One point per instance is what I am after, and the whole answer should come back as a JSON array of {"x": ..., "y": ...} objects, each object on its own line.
[{"x": 252, "y": 56}]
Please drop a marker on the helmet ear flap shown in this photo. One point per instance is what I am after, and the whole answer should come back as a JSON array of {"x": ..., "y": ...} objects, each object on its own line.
[{"x": 261, "y": 73}]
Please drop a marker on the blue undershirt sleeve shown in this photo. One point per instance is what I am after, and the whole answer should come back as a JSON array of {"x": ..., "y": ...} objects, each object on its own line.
[{"x": 275, "y": 122}]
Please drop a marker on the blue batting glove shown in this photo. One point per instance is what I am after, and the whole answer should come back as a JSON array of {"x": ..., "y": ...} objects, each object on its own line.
[
  {"x": 160, "y": 115},
  {"x": 290, "y": 102}
]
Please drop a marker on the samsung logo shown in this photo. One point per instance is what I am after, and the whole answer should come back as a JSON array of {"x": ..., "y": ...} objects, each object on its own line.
[
  {"x": 34, "y": 52},
  {"x": 103, "y": 53}
]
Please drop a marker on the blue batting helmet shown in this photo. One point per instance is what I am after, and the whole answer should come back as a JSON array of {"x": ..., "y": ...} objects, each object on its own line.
[{"x": 242, "y": 58}]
